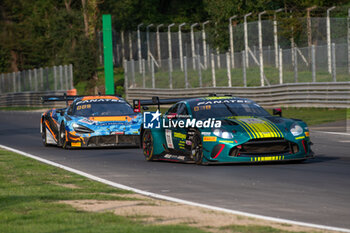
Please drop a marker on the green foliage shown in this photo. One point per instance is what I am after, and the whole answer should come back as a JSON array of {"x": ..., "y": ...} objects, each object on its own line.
[{"x": 30, "y": 201}]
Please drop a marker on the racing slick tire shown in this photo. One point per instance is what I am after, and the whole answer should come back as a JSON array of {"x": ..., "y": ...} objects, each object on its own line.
[
  {"x": 147, "y": 145},
  {"x": 43, "y": 134},
  {"x": 63, "y": 142},
  {"x": 197, "y": 148}
]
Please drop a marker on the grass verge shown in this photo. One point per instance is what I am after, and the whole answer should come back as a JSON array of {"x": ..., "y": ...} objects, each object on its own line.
[{"x": 30, "y": 192}]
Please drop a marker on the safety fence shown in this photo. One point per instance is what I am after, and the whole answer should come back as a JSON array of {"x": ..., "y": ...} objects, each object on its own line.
[
  {"x": 56, "y": 78},
  {"x": 255, "y": 33},
  {"x": 331, "y": 95},
  {"x": 295, "y": 65}
]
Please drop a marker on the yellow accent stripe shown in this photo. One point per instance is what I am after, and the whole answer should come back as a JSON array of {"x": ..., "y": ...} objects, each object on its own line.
[
  {"x": 277, "y": 130},
  {"x": 245, "y": 128}
]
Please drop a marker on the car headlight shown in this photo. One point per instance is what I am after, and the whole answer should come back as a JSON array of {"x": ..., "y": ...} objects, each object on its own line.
[
  {"x": 81, "y": 129},
  {"x": 296, "y": 129},
  {"x": 222, "y": 133}
]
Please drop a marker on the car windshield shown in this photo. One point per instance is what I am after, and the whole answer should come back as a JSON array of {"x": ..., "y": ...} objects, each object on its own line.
[
  {"x": 219, "y": 109},
  {"x": 102, "y": 109}
]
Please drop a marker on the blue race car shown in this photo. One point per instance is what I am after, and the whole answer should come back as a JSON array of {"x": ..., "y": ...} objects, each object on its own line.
[{"x": 91, "y": 121}]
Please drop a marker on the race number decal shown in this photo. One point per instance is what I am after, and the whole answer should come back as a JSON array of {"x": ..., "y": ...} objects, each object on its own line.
[{"x": 169, "y": 139}]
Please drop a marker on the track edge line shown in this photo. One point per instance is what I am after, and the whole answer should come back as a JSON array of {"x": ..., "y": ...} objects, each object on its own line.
[{"x": 172, "y": 199}]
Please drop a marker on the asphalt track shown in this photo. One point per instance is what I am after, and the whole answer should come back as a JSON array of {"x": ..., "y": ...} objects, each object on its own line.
[{"x": 316, "y": 191}]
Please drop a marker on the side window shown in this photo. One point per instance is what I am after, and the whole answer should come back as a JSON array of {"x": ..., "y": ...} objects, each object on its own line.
[
  {"x": 173, "y": 109},
  {"x": 182, "y": 110},
  {"x": 70, "y": 109}
]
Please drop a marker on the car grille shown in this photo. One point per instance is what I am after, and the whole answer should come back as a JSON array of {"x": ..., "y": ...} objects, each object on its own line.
[
  {"x": 264, "y": 147},
  {"x": 111, "y": 140}
]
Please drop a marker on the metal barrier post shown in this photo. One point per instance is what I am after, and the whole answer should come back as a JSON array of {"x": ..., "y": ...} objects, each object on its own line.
[
  {"x": 19, "y": 81},
  {"x": 55, "y": 77},
  {"x": 244, "y": 69},
  {"x": 61, "y": 76},
  {"x": 280, "y": 66},
  {"x": 261, "y": 58},
  {"x": 228, "y": 62},
  {"x": 153, "y": 77},
  {"x": 199, "y": 70},
  {"x": 42, "y": 78},
  {"x": 133, "y": 72},
  {"x": 30, "y": 80},
  {"x": 14, "y": 81},
  {"x": 246, "y": 39},
  {"x": 36, "y": 79},
  {"x": 139, "y": 44},
  {"x": 71, "y": 76},
  {"x": 329, "y": 40},
  {"x": 295, "y": 65},
  {"x": 185, "y": 71},
  {"x": 170, "y": 75},
  {"x": 125, "y": 75},
  {"x": 143, "y": 73},
  {"x": 313, "y": 63},
  {"x": 180, "y": 47},
  {"x": 334, "y": 69},
  {"x": 213, "y": 70},
  {"x": 66, "y": 74},
  {"x": 204, "y": 45}
]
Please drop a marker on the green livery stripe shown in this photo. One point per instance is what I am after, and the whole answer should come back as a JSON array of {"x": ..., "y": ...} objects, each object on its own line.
[
  {"x": 275, "y": 127},
  {"x": 262, "y": 129},
  {"x": 246, "y": 129}
]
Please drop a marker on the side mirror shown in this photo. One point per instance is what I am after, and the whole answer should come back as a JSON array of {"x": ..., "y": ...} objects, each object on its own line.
[
  {"x": 61, "y": 112},
  {"x": 171, "y": 116},
  {"x": 145, "y": 108},
  {"x": 277, "y": 111},
  {"x": 136, "y": 105}
]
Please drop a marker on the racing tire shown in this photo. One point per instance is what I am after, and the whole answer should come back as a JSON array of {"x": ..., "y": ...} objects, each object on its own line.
[
  {"x": 197, "y": 148},
  {"x": 43, "y": 134},
  {"x": 63, "y": 142},
  {"x": 147, "y": 145}
]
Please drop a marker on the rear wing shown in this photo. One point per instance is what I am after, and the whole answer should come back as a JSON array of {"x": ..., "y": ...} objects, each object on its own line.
[
  {"x": 155, "y": 101},
  {"x": 65, "y": 98}
]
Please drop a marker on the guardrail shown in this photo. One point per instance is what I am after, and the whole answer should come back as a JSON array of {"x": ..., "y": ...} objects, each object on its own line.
[
  {"x": 29, "y": 99},
  {"x": 330, "y": 95}
]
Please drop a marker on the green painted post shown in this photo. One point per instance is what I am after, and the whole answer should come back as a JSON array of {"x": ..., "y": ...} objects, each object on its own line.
[{"x": 108, "y": 54}]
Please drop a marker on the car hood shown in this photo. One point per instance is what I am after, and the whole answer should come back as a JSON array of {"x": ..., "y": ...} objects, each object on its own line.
[
  {"x": 108, "y": 120},
  {"x": 259, "y": 127}
]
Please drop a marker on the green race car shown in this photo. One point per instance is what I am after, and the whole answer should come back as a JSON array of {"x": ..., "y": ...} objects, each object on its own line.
[{"x": 223, "y": 130}]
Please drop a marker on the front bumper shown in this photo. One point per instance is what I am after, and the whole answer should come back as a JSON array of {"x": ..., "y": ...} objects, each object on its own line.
[
  {"x": 103, "y": 140},
  {"x": 273, "y": 150}
]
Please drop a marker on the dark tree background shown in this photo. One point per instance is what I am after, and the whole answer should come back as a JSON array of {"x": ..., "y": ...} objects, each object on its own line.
[{"x": 52, "y": 32}]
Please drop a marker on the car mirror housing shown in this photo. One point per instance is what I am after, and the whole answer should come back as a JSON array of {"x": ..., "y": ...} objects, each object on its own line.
[{"x": 277, "y": 111}]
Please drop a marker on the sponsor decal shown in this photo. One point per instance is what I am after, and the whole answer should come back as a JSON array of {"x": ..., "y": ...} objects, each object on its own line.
[
  {"x": 209, "y": 139},
  {"x": 307, "y": 134},
  {"x": 206, "y": 133},
  {"x": 268, "y": 158},
  {"x": 180, "y": 135},
  {"x": 96, "y": 100},
  {"x": 225, "y": 141},
  {"x": 301, "y": 137},
  {"x": 169, "y": 156},
  {"x": 151, "y": 120},
  {"x": 75, "y": 144},
  {"x": 169, "y": 139},
  {"x": 217, "y": 100}
]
